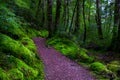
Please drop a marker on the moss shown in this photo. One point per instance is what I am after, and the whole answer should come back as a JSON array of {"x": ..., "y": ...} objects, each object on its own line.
[
  {"x": 29, "y": 72},
  {"x": 27, "y": 42},
  {"x": 114, "y": 66},
  {"x": 83, "y": 57},
  {"x": 33, "y": 33},
  {"x": 98, "y": 67},
  {"x": 15, "y": 48},
  {"x": 15, "y": 74},
  {"x": 65, "y": 46},
  {"x": 10, "y": 23},
  {"x": 3, "y": 75}
]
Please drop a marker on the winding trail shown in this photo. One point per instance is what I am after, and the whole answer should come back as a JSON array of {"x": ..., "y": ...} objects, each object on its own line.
[{"x": 59, "y": 67}]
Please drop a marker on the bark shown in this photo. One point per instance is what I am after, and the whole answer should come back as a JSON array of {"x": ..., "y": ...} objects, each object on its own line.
[
  {"x": 98, "y": 19},
  {"x": 57, "y": 18},
  {"x": 70, "y": 29},
  {"x": 77, "y": 22},
  {"x": 38, "y": 8},
  {"x": 49, "y": 17},
  {"x": 116, "y": 29},
  {"x": 84, "y": 39}
]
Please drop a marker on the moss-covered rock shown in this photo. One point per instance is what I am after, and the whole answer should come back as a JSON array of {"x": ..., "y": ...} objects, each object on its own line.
[
  {"x": 83, "y": 57},
  {"x": 3, "y": 75},
  {"x": 15, "y": 74},
  {"x": 98, "y": 67},
  {"x": 114, "y": 66},
  {"x": 27, "y": 42},
  {"x": 15, "y": 48},
  {"x": 29, "y": 72}
]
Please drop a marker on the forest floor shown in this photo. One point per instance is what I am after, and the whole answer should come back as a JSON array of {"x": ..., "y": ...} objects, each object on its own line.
[
  {"x": 59, "y": 67},
  {"x": 106, "y": 57}
]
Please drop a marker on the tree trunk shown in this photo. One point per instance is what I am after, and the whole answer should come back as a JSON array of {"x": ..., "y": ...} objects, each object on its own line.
[
  {"x": 70, "y": 29},
  {"x": 84, "y": 39},
  {"x": 49, "y": 17},
  {"x": 98, "y": 19},
  {"x": 38, "y": 8},
  {"x": 77, "y": 22},
  {"x": 64, "y": 14},
  {"x": 115, "y": 45},
  {"x": 57, "y": 18}
]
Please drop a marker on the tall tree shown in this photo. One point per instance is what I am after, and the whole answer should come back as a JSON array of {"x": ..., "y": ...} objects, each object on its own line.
[
  {"x": 57, "y": 18},
  {"x": 49, "y": 17},
  {"x": 98, "y": 19},
  {"x": 84, "y": 39},
  {"x": 116, "y": 29},
  {"x": 77, "y": 22}
]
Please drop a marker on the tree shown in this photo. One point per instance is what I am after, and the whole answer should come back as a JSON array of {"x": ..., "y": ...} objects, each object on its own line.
[
  {"x": 116, "y": 29},
  {"x": 77, "y": 22},
  {"x": 98, "y": 19},
  {"x": 49, "y": 17},
  {"x": 57, "y": 18},
  {"x": 84, "y": 39}
]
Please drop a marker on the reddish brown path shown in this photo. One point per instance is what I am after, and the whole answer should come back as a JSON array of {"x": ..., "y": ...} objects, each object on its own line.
[{"x": 57, "y": 66}]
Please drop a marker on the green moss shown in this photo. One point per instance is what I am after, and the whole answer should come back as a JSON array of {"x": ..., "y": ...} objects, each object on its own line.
[
  {"x": 15, "y": 48},
  {"x": 98, "y": 67},
  {"x": 27, "y": 42},
  {"x": 33, "y": 33},
  {"x": 65, "y": 46},
  {"x": 10, "y": 23},
  {"x": 114, "y": 66},
  {"x": 83, "y": 57},
  {"x": 3, "y": 75},
  {"x": 15, "y": 74},
  {"x": 29, "y": 72}
]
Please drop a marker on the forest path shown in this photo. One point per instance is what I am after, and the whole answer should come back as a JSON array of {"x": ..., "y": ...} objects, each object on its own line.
[{"x": 59, "y": 67}]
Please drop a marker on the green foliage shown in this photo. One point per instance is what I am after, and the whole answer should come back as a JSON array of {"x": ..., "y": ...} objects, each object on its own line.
[
  {"x": 83, "y": 57},
  {"x": 15, "y": 74},
  {"x": 114, "y": 66},
  {"x": 16, "y": 48},
  {"x": 98, "y": 67},
  {"x": 27, "y": 42},
  {"x": 23, "y": 3},
  {"x": 28, "y": 71},
  {"x": 3, "y": 75},
  {"x": 65, "y": 46},
  {"x": 33, "y": 33},
  {"x": 9, "y": 23}
]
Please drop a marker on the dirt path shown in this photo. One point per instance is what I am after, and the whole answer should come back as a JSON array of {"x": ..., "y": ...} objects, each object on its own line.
[{"x": 57, "y": 66}]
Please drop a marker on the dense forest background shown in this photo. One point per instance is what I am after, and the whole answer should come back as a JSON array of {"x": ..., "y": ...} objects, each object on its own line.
[{"x": 87, "y": 31}]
